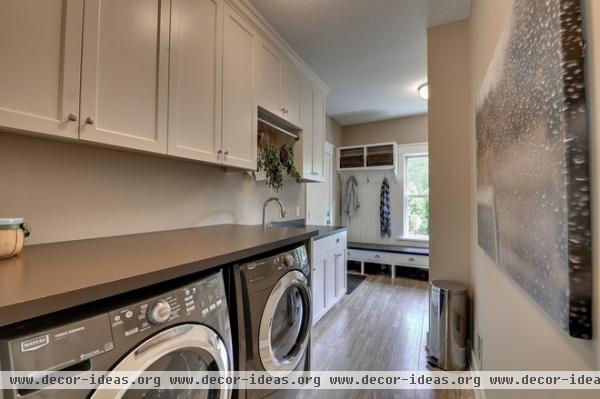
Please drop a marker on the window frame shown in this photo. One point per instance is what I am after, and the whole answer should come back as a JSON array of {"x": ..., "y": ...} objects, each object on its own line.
[{"x": 405, "y": 152}]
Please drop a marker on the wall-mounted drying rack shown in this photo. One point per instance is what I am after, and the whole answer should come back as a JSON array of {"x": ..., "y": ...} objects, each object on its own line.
[
  {"x": 277, "y": 129},
  {"x": 277, "y": 125}
]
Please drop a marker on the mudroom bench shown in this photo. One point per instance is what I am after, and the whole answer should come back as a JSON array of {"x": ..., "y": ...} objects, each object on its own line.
[{"x": 393, "y": 255}]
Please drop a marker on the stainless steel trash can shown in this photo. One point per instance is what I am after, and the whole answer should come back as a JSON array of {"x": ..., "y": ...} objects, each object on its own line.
[{"x": 447, "y": 336}]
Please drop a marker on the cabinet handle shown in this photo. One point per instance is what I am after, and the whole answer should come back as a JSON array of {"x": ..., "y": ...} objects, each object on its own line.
[
  {"x": 338, "y": 240},
  {"x": 89, "y": 120},
  {"x": 72, "y": 117}
]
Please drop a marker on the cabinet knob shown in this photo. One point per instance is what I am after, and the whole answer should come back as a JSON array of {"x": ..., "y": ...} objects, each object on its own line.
[
  {"x": 411, "y": 259},
  {"x": 72, "y": 117},
  {"x": 220, "y": 152},
  {"x": 377, "y": 256},
  {"x": 225, "y": 152},
  {"x": 89, "y": 120}
]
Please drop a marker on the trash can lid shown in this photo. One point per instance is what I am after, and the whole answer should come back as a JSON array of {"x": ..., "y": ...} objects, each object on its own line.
[{"x": 447, "y": 285}]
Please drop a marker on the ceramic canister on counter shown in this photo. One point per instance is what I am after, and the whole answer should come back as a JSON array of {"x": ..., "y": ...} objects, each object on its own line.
[{"x": 12, "y": 235}]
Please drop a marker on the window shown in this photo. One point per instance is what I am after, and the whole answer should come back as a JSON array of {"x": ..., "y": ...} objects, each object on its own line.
[{"x": 416, "y": 196}]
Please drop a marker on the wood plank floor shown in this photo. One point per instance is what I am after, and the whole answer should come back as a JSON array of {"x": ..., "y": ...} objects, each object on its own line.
[{"x": 382, "y": 325}]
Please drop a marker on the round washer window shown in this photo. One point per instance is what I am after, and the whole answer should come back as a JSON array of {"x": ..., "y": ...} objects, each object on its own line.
[
  {"x": 288, "y": 323},
  {"x": 188, "y": 362}
]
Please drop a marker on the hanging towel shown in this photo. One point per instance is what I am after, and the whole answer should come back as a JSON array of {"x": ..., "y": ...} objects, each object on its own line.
[
  {"x": 351, "y": 203},
  {"x": 384, "y": 209}
]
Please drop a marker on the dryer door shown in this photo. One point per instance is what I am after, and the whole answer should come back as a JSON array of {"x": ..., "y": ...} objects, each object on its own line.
[
  {"x": 190, "y": 348},
  {"x": 285, "y": 324}
]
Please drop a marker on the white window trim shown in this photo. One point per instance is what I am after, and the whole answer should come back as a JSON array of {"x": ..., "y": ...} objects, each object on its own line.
[{"x": 405, "y": 151}]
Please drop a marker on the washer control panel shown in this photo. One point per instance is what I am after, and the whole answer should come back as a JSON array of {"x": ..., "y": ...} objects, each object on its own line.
[{"x": 198, "y": 300}]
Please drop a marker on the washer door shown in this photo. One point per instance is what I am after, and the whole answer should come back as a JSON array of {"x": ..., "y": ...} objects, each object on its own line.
[
  {"x": 189, "y": 348},
  {"x": 285, "y": 325}
]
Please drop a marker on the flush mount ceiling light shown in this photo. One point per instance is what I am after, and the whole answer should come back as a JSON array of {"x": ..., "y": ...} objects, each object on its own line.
[{"x": 424, "y": 91}]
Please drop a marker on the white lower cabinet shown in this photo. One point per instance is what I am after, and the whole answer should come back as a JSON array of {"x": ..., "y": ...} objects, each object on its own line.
[
  {"x": 318, "y": 288},
  {"x": 341, "y": 273},
  {"x": 328, "y": 279}
]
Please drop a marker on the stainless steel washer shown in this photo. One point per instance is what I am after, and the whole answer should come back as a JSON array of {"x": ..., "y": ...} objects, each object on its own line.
[
  {"x": 273, "y": 308},
  {"x": 182, "y": 329}
]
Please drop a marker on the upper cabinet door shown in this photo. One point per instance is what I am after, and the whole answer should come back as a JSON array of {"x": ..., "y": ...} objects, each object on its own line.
[
  {"x": 195, "y": 79},
  {"x": 304, "y": 147},
  {"x": 268, "y": 79},
  {"x": 40, "y": 56},
  {"x": 239, "y": 100},
  {"x": 125, "y": 71},
  {"x": 291, "y": 88},
  {"x": 318, "y": 133}
]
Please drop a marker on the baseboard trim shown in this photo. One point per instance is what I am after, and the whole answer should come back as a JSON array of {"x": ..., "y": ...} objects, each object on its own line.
[{"x": 475, "y": 366}]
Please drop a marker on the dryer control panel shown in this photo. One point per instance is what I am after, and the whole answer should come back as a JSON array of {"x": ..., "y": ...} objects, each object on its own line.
[{"x": 199, "y": 300}]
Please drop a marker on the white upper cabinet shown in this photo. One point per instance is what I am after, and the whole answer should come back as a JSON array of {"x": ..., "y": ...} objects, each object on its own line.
[
  {"x": 177, "y": 77},
  {"x": 309, "y": 151},
  {"x": 40, "y": 59},
  {"x": 291, "y": 92},
  {"x": 318, "y": 133},
  {"x": 239, "y": 99},
  {"x": 125, "y": 73},
  {"x": 268, "y": 78},
  {"x": 278, "y": 84},
  {"x": 195, "y": 79},
  {"x": 303, "y": 149}
]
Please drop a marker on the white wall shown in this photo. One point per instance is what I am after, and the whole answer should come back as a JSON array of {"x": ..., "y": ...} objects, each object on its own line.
[
  {"x": 408, "y": 130},
  {"x": 69, "y": 191},
  {"x": 517, "y": 334},
  {"x": 449, "y": 163}
]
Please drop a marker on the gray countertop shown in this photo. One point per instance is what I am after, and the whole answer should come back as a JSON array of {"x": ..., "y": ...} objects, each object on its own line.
[
  {"x": 323, "y": 231},
  {"x": 47, "y": 278}
]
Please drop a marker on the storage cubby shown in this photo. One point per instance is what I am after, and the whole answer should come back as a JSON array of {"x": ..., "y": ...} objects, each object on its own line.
[
  {"x": 353, "y": 157},
  {"x": 380, "y": 155}
]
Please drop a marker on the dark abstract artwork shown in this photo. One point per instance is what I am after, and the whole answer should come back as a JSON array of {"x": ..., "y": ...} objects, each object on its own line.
[{"x": 533, "y": 193}]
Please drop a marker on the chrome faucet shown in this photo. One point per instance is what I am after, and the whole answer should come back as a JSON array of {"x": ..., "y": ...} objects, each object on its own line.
[{"x": 265, "y": 209}]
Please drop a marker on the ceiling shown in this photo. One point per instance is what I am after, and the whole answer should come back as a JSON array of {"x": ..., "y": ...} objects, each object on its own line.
[{"x": 372, "y": 53}]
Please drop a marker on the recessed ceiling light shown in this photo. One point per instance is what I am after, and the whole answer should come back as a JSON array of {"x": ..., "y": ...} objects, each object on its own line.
[{"x": 424, "y": 91}]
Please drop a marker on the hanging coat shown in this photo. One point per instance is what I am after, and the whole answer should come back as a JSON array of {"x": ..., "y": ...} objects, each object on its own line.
[
  {"x": 384, "y": 210},
  {"x": 351, "y": 203}
]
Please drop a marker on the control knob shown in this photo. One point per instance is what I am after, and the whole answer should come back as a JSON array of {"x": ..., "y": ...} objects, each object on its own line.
[
  {"x": 159, "y": 312},
  {"x": 289, "y": 260}
]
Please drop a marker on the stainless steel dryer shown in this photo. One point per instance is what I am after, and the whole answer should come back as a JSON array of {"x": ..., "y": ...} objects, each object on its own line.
[
  {"x": 185, "y": 328},
  {"x": 273, "y": 308}
]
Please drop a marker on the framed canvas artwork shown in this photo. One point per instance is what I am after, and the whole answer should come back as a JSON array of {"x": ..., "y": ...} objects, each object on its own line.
[{"x": 533, "y": 189}]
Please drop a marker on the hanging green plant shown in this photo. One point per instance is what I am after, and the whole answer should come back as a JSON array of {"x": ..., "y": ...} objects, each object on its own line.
[
  {"x": 286, "y": 155},
  {"x": 269, "y": 162},
  {"x": 276, "y": 163}
]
